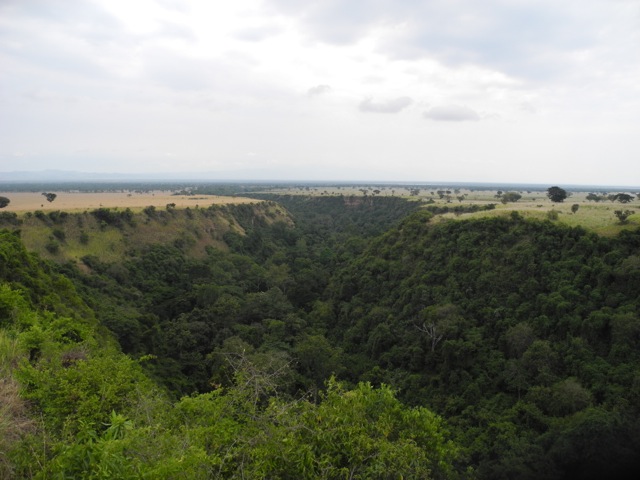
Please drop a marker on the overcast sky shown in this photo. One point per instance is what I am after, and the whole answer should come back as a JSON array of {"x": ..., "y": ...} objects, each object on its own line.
[{"x": 536, "y": 91}]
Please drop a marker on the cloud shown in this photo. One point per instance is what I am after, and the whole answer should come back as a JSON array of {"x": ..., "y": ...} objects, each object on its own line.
[
  {"x": 528, "y": 39},
  {"x": 390, "y": 106},
  {"x": 527, "y": 107},
  {"x": 318, "y": 90},
  {"x": 172, "y": 30},
  {"x": 451, "y": 113},
  {"x": 332, "y": 21},
  {"x": 258, "y": 34}
]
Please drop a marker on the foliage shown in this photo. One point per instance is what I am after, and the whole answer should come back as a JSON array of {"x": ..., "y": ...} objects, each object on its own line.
[
  {"x": 113, "y": 217},
  {"x": 49, "y": 196},
  {"x": 484, "y": 319},
  {"x": 508, "y": 197},
  {"x": 623, "y": 215},
  {"x": 9, "y": 218},
  {"x": 521, "y": 337},
  {"x": 556, "y": 194},
  {"x": 459, "y": 209},
  {"x": 4, "y": 201},
  {"x": 622, "y": 198},
  {"x": 593, "y": 197}
]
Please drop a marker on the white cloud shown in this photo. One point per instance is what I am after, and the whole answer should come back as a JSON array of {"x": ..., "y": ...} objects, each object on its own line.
[
  {"x": 388, "y": 106},
  {"x": 259, "y": 33},
  {"x": 318, "y": 90},
  {"x": 451, "y": 113},
  {"x": 209, "y": 81}
]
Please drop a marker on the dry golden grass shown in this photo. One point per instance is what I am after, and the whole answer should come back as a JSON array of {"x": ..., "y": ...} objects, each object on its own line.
[{"x": 80, "y": 201}]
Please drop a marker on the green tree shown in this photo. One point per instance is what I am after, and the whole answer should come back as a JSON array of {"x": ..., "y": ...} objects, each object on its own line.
[
  {"x": 556, "y": 194},
  {"x": 574, "y": 208},
  {"x": 622, "y": 197},
  {"x": 510, "y": 197},
  {"x": 50, "y": 196},
  {"x": 440, "y": 322},
  {"x": 4, "y": 201},
  {"x": 623, "y": 215}
]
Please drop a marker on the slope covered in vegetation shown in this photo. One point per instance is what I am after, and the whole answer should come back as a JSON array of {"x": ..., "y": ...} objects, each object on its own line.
[
  {"x": 521, "y": 335},
  {"x": 75, "y": 406}
]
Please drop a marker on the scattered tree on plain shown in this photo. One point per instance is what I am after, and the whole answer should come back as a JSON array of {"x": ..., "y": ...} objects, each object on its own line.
[
  {"x": 592, "y": 197},
  {"x": 556, "y": 194},
  {"x": 574, "y": 208},
  {"x": 510, "y": 197},
  {"x": 4, "y": 201},
  {"x": 623, "y": 215},
  {"x": 50, "y": 196},
  {"x": 621, "y": 197}
]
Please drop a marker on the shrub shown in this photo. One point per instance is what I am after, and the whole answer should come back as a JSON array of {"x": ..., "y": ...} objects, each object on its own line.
[
  {"x": 59, "y": 234},
  {"x": 53, "y": 247}
]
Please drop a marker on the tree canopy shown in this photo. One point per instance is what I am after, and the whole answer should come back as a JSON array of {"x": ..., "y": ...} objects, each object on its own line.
[
  {"x": 556, "y": 194},
  {"x": 353, "y": 337},
  {"x": 622, "y": 198},
  {"x": 508, "y": 197},
  {"x": 50, "y": 196}
]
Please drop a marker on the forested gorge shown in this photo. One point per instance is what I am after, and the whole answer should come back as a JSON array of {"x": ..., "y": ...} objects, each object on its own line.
[{"x": 358, "y": 340}]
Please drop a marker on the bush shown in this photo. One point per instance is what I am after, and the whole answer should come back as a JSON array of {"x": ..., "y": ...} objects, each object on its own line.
[
  {"x": 114, "y": 218},
  {"x": 553, "y": 215},
  {"x": 57, "y": 216},
  {"x": 40, "y": 215},
  {"x": 53, "y": 247},
  {"x": 9, "y": 218},
  {"x": 59, "y": 234}
]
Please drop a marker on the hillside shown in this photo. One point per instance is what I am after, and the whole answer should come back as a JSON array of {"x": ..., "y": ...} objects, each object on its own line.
[
  {"x": 74, "y": 406},
  {"x": 523, "y": 334},
  {"x": 510, "y": 344},
  {"x": 107, "y": 234}
]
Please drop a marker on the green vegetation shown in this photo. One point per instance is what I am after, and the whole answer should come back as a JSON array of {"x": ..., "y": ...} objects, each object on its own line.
[
  {"x": 509, "y": 197},
  {"x": 335, "y": 336},
  {"x": 556, "y": 194},
  {"x": 623, "y": 215},
  {"x": 50, "y": 196}
]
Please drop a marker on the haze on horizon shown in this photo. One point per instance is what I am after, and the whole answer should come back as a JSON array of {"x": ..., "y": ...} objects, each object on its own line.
[{"x": 514, "y": 91}]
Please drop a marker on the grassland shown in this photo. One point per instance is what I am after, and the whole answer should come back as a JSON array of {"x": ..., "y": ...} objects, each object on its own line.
[
  {"x": 79, "y": 201},
  {"x": 597, "y": 217}
]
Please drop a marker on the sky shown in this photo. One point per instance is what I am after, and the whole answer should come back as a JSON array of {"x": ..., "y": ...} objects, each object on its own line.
[{"x": 529, "y": 91}]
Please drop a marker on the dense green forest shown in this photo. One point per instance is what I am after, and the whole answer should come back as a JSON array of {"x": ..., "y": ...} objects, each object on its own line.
[{"x": 351, "y": 338}]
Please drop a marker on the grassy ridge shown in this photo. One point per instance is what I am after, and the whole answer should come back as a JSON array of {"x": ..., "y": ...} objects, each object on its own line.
[{"x": 108, "y": 234}]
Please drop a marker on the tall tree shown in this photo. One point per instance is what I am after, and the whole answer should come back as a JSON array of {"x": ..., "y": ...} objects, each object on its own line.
[
  {"x": 622, "y": 197},
  {"x": 556, "y": 194}
]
